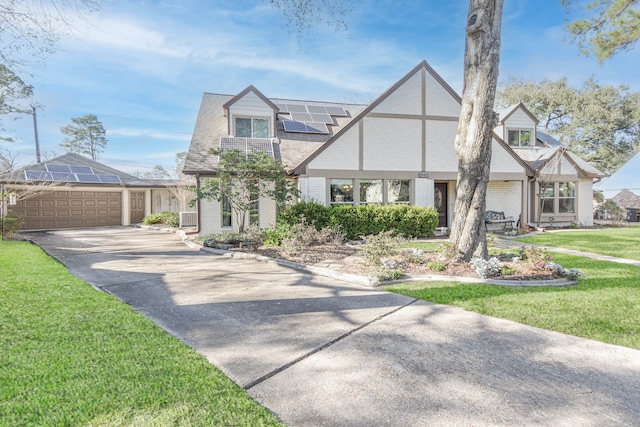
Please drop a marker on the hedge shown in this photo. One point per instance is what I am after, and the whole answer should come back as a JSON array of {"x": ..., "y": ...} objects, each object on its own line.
[{"x": 363, "y": 220}]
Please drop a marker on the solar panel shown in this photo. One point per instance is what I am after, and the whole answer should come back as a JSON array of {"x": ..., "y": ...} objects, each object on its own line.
[
  {"x": 301, "y": 117},
  {"x": 316, "y": 127},
  {"x": 37, "y": 175},
  {"x": 109, "y": 179},
  {"x": 87, "y": 177},
  {"x": 58, "y": 168},
  {"x": 283, "y": 108},
  {"x": 317, "y": 109},
  {"x": 64, "y": 176},
  {"x": 322, "y": 118},
  {"x": 296, "y": 108},
  {"x": 81, "y": 169},
  {"x": 306, "y": 127},
  {"x": 336, "y": 111},
  {"x": 291, "y": 126}
]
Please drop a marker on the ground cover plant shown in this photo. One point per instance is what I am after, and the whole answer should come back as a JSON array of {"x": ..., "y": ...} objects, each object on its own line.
[
  {"x": 617, "y": 242},
  {"x": 604, "y": 306},
  {"x": 70, "y": 355}
]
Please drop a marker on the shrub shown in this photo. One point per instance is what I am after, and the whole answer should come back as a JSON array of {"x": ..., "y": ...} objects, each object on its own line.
[
  {"x": 152, "y": 219},
  {"x": 12, "y": 224},
  {"x": 437, "y": 266},
  {"x": 485, "y": 268},
  {"x": 380, "y": 246},
  {"x": 383, "y": 274},
  {"x": 166, "y": 218},
  {"x": 363, "y": 220},
  {"x": 298, "y": 236}
]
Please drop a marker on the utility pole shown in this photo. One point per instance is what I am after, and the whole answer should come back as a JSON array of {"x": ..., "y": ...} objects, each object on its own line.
[{"x": 35, "y": 132}]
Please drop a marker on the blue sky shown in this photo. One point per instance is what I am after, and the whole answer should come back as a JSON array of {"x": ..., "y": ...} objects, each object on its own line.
[{"x": 142, "y": 66}]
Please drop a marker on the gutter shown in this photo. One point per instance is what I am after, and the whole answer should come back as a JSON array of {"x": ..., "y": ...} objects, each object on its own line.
[{"x": 198, "y": 204}]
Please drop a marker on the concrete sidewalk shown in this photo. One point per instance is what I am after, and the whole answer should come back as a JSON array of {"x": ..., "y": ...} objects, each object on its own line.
[{"x": 317, "y": 351}]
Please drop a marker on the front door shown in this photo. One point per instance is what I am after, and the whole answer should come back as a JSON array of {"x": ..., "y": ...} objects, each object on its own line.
[
  {"x": 136, "y": 206},
  {"x": 440, "y": 202}
]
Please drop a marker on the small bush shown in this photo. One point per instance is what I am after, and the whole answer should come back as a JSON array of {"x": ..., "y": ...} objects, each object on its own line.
[
  {"x": 12, "y": 224},
  {"x": 166, "y": 218},
  {"x": 507, "y": 270},
  {"x": 312, "y": 213},
  {"x": 437, "y": 266},
  {"x": 485, "y": 268},
  {"x": 152, "y": 219},
  {"x": 380, "y": 246},
  {"x": 382, "y": 275}
]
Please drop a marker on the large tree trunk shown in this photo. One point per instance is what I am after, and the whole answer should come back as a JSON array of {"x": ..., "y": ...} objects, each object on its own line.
[{"x": 475, "y": 128}]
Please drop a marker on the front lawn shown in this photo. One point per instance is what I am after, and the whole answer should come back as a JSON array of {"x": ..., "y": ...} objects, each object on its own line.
[
  {"x": 617, "y": 242},
  {"x": 70, "y": 355},
  {"x": 605, "y": 306}
]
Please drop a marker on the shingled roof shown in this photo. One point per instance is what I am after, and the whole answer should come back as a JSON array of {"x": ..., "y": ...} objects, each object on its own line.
[{"x": 290, "y": 149}]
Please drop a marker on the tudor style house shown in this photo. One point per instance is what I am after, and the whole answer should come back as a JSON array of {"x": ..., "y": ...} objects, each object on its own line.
[{"x": 398, "y": 149}]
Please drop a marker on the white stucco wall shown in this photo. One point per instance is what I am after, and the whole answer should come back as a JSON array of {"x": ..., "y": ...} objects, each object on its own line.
[
  {"x": 313, "y": 189},
  {"x": 210, "y": 217},
  {"x": 342, "y": 154},
  {"x": 392, "y": 144},
  {"x": 251, "y": 105},
  {"x": 439, "y": 100},
  {"x": 502, "y": 161},
  {"x": 407, "y": 99},
  {"x": 441, "y": 154}
]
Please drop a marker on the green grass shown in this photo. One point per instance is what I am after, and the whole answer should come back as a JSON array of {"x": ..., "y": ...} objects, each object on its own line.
[
  {"x": 425, "y": 246},
  {"x": 617, "y": 242},
  {"x": 70, "y": 355},
  {"x": 605, "y": 306}
]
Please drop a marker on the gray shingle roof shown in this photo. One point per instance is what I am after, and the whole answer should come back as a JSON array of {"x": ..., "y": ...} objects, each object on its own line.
[{"x": 290, "y": 148}]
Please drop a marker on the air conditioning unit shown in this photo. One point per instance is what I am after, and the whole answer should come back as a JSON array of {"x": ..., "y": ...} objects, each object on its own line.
[{"x": 188, "y": 219}]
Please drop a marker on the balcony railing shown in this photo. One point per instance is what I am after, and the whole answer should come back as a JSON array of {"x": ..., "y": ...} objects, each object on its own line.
[{"x": 247, "y": 144}]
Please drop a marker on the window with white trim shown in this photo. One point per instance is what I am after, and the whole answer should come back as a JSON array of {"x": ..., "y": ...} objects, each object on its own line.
[
  {"x": 370, "y": 191},
  {"x": 559, "y": 197},
  {"x": 246, "y": 127},
  {"x": 341, "y": 191},
  {"x": 519, "y": 137}
]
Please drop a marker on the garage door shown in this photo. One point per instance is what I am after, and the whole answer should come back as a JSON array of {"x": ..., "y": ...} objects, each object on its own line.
[{"x": 64, "y": 209}]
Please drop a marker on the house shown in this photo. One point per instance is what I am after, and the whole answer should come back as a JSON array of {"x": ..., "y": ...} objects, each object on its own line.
[
  {"x": 630, "y": 202},
  {"x": 398, "y": 149},
  {"x": 74, "y": 191}
]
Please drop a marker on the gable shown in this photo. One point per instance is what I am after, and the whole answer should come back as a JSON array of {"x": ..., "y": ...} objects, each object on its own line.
[
  {"x": 439, "y": 99},
  {"x": 406, "y": 99},
  {"x": 519, "y": 119}
]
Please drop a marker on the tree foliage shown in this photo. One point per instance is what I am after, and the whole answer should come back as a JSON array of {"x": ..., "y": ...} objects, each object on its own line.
[
  {"x": 13, "y": 94},
  {"x": 613, "y": 26},
  {"x": 85, "y": 136},
  {"x": 245, "y": 178},
  {"x": 601, "y": 123}
]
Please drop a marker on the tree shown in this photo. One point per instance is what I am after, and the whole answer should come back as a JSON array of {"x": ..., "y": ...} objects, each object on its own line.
[
  {"x": 475, "y": 127},
  {"x": 477, "y": 118},
  {"x": 243, "y": 179},
  {"x": 600, "y": 123},
  {"x": 85, "y": 136},
  {"x": 158, "y": 172},
  {"x": 13, "y": 92},
  {"x": 613, "y": 27}
]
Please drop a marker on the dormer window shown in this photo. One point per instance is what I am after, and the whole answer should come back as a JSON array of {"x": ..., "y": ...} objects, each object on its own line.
[
  {"x": 251, "y": 127},
  {"x": 519, "y": 138}
]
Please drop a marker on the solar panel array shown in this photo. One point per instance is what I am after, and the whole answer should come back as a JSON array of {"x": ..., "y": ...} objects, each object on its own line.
[
  {"x": 64, "y": 173},
  {"x": 247, "y": 144},
  {"x": 305, "y": 127},
  {"x": 309, "y": 118}
]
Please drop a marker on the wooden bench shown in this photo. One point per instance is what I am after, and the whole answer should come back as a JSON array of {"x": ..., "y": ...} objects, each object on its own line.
[{"x": 495, "y": 217}]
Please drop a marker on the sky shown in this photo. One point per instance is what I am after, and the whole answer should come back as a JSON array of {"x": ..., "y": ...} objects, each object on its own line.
[{"x": 142, "y": 66}]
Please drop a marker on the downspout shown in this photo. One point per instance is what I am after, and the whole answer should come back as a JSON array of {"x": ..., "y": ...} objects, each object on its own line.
[{"x": 198, "y": 204}]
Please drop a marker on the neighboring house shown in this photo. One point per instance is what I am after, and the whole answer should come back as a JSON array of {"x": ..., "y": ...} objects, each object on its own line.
[
  {"x": 631, "y": 202},
  {"x": 398, "y": 149},
  {"x": 74, "y": 191}
]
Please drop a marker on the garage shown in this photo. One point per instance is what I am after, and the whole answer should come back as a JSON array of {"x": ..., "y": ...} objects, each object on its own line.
[{"x": 64, "y": 209}]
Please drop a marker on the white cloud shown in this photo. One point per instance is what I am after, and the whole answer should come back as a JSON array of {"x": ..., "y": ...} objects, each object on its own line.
[{"x": 148, "y": 134}]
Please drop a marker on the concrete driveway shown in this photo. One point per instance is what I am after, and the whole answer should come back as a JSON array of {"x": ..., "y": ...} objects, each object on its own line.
[{"x": 317, "y": 351}]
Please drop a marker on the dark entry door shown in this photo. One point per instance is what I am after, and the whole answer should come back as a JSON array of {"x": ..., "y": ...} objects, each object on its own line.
[
  {"x": 440, "y": 202},
  {"x": 136, "y": 206}
]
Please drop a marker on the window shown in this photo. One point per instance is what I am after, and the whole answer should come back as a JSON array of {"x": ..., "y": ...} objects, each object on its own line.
[
  {"x": 252, "y": 128},
  {"x": 370, "y": 191},
  {"x": 398, "y": 191},
  {"x": 519, "y": 138},
  {"x": 226, "y": 212},
  {"x": 559, "y": 197},
  {"x": 548, "y": 198},
  {"x": 341, "y": 191},
  {"x": 566, "y": 197}
]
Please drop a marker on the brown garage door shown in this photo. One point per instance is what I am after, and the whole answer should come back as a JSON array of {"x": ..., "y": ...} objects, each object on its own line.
[{"x": 64, "y": 209}]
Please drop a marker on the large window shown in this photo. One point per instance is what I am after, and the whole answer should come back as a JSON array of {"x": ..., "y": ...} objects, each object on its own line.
[
  {"x": 519, "y": 138},
  {"x": 398, "y": 191},
  {"x": 341, "y": 191},
  {"x": 226, "y": 212},
  {"x": 252, "y": 128},
  {"x": 559, "y": 197},
  {"x": 254, "y": 209},
  {"x": 370, "y": 191}
]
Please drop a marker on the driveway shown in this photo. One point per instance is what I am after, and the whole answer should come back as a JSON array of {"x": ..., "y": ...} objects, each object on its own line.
[{"x": 317, "y": 351}]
